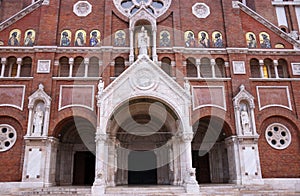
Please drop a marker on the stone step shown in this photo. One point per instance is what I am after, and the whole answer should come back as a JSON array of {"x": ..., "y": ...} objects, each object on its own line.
[
  {"x": 66, "y": 191},
  {"x": 145, "y": 190}
]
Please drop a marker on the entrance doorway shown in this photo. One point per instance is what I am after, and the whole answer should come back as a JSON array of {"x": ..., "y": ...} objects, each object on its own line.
[
  {"x": 201, "y": 163},
  {"x": 84, "y": 168},
  {"x": 142, "y": 167}
]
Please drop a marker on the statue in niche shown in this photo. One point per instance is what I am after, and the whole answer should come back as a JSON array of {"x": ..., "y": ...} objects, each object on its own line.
[
  {"x": 143, "y": 41},
  {"x": 38, "y": 120},
  {"x": 245, "y": 119},
  {"x": 120, "y": 38},
  {"x": 100, "y": 87}
]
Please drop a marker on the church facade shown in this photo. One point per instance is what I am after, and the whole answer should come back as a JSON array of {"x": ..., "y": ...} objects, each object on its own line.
[{"x": 161, "y": 92}]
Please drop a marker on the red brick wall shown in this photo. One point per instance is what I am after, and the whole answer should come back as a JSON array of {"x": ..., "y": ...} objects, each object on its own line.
[
  {"x": 12, "y": 160},
  {"x": 279, "y": 163}
]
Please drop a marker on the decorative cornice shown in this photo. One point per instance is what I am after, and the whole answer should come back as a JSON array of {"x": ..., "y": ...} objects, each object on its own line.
[
  {"x": 20, "y": 14},
  {"x": 116, "y": 50}
]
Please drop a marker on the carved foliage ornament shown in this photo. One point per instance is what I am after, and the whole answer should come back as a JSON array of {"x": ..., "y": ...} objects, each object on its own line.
[
  {"x": 82, "y": 8},
  {"x": 129, "y": 7}
]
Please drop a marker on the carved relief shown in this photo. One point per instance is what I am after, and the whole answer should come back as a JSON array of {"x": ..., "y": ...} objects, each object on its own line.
[
  {"x": 82, "y": 8},
  {"x": 200, "y": 10}
]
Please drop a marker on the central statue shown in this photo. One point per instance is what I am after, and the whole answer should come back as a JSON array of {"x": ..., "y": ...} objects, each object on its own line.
[{"x": 143, "y": 42}]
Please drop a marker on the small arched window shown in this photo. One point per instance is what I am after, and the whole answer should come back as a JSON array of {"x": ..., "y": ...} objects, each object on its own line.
[
  {"x": 119, "y": 66},
  {"x": 78, "y": 67},
  {"x": 220, "y": 68},
  {"x": 64, "y": 67},
  {"x": 205, "y": 68},
  {"x": 268, "y": 69},
  {"x": 26, "y": 67},
  {"x": 255, "y": 68},
  {"x": 282, "y": 69},
  {"x": 11, "y": 67},
  {"x": 93, "y": 67},
  {"x": 191, "y": 69},
  {"x": 166, "y": 65}
]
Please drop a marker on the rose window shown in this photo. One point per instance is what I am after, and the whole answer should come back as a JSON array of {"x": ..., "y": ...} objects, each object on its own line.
[
  {"x": 8, "y": 137},
  {"x": 278, "y": 136},
  {"x": 129, "y": 7}
]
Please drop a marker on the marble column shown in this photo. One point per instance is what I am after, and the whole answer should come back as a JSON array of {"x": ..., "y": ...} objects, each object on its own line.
[
  {"x": 154, "y": 54},
  {"x": 71, "y": 62},
  {"x": 190, "y": 182},
  {"x": 99, "y": 185},
  {"x": 3, "y": 62}
]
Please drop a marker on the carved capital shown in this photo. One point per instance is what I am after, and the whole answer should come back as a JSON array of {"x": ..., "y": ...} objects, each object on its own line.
[
  {"x": 100, "y": 137},
  {"x": 187, "y": 137}
]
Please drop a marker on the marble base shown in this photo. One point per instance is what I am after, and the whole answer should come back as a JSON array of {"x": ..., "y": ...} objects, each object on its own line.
[{"x": 98, "y": 190}]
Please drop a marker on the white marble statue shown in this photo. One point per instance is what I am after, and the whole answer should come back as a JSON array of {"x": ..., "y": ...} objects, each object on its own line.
[
  {"x": 143, "y": 42},
  {"x": 38, "y": 120},
  {"x": 100, "y": 87},
  {"x": 245, "y": 119}
]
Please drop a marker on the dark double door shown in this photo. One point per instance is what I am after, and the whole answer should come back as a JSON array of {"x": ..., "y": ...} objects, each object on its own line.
[{"x": 84, "y": 168}]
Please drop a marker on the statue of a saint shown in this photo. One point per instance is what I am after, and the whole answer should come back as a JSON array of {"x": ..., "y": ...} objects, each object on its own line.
[
  {"x": 100, "y": 87},
  {"x": 38, "y": 120},
  {"x": 143, "y": 42},
  {"x": 245, "y": 119}
]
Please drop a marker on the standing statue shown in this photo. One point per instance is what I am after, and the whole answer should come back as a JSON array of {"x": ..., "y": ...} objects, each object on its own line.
[
  {"x": 100, "y": 87},
  {"x": 143, "y": 42},
  {"x": 245, "y": 120},
  {"x": 38, "y": 120}
]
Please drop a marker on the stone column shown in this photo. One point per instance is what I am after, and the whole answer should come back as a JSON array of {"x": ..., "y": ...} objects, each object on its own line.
[
  {"x": 177, "y": 161},
  {"x": 198, "y": 64},
  {"x": 50, "y": 166},
  {"x": 131, "y": 55},
  {"x": 233, "y": 159},
  {"x": 3, "y": 62},
  {"x": 71, "y": 62},
  {"x": 86, "y": 67},
  {"x": 261, "y": 66},
  {"x": 190, "y": 182},
  {"x": 99, "y": 185},
  {"x": 112, "y": 162},
  {"x": 213, "y": 70},
  {"x": 19, "y": 62},
  {"x": 275, "y": 62},
  {"x": 154, "y": 54}
]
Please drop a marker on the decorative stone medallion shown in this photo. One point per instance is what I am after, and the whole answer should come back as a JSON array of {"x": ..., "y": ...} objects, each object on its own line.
[
  {"x": 200, "y": 10},
  {"x": 82, "y": 8},
  {"x": 278, "y": 136},
  {"x": 144, "y": 79},
  {"x": 8, "y": 137}
]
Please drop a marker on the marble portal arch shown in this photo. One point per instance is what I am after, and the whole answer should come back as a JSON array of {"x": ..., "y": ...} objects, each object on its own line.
[{"x": 145, "y": 79}]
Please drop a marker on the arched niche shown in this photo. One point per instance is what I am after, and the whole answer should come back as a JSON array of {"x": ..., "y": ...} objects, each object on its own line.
[
  {"x": 140, "y": 19},
  {"x": 39, "y": 113},
  {"x": 244, "y": 113}
]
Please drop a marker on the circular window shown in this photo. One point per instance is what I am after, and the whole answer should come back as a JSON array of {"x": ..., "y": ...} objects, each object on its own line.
[
  {"x": 8, "y": 137},
  {"x": 155, "y": 7},
  {"x": 278, "y": 136}
]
